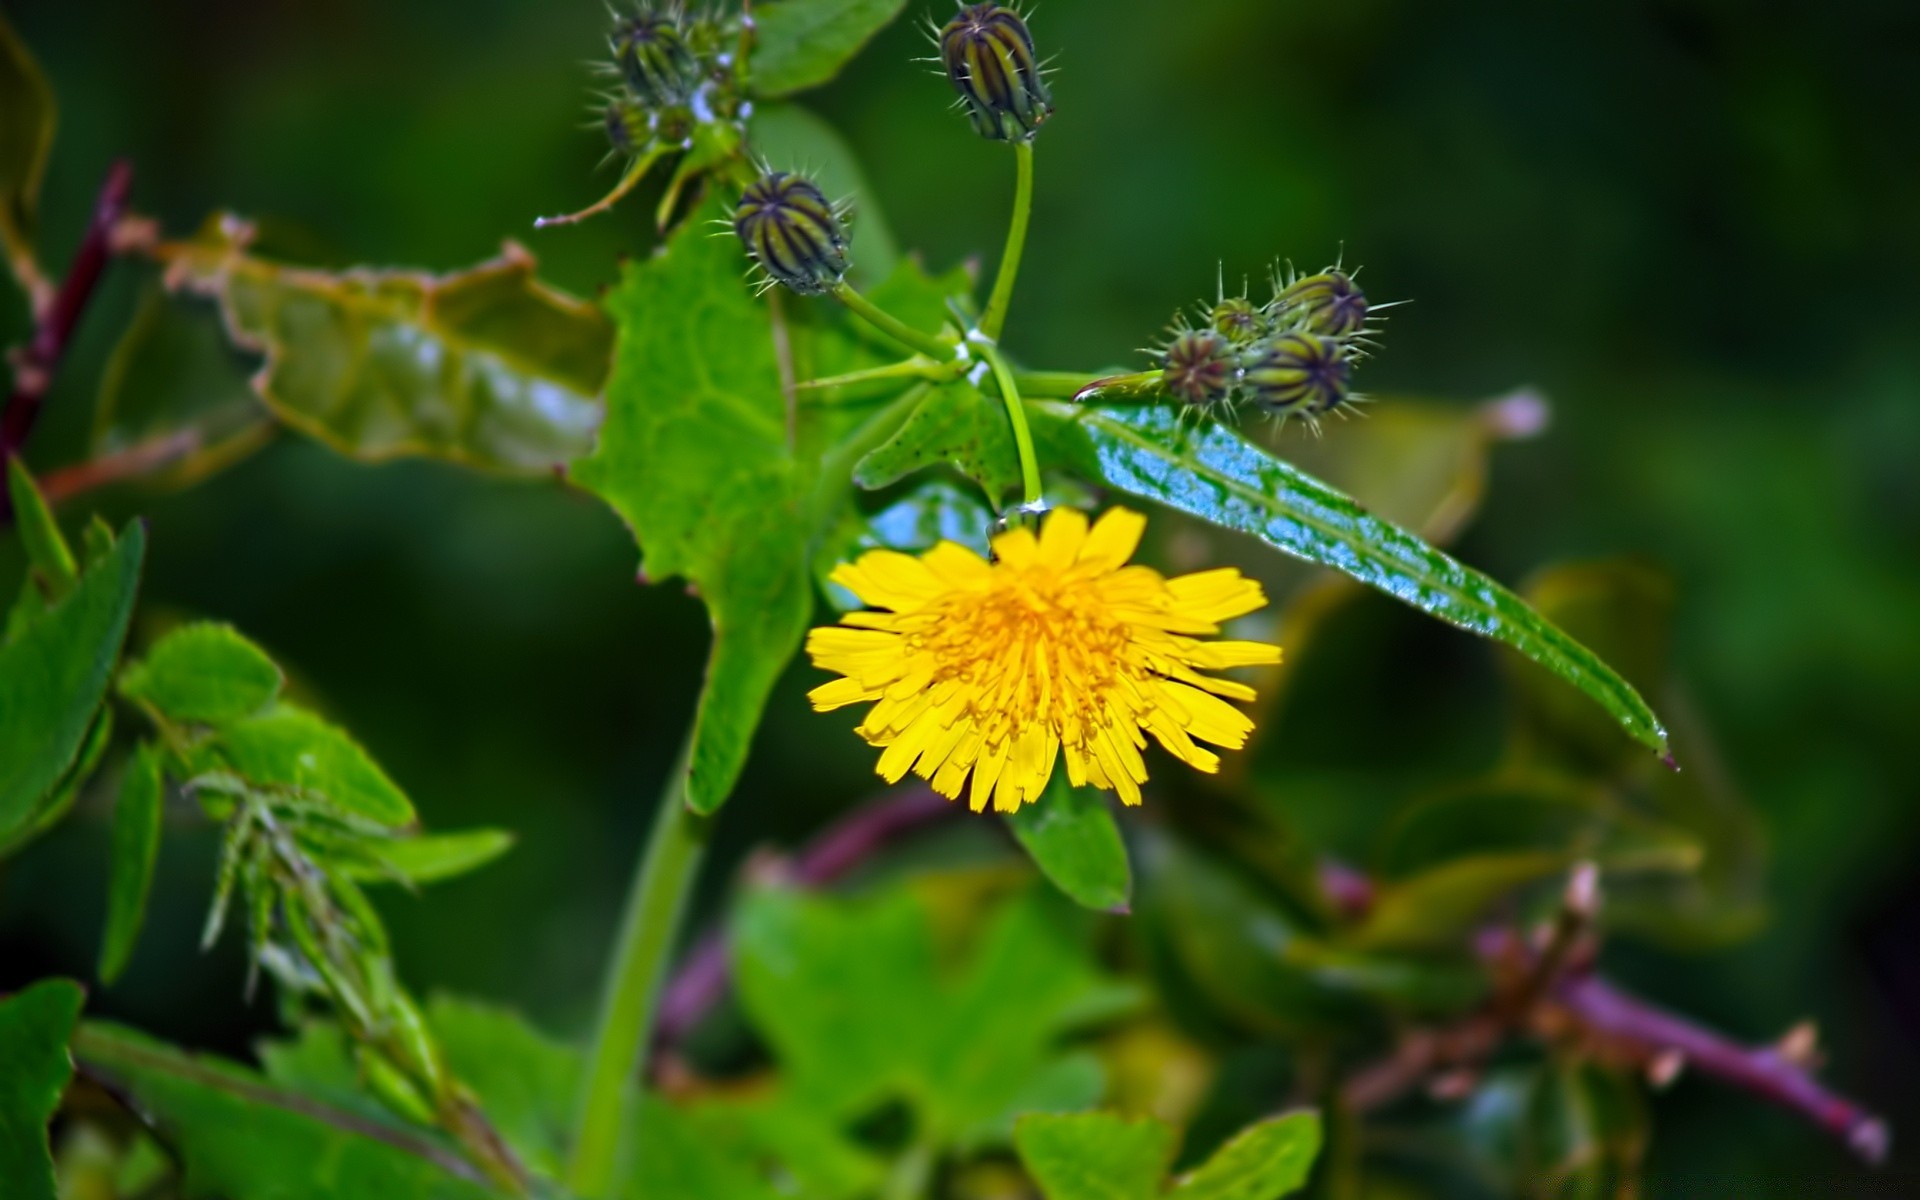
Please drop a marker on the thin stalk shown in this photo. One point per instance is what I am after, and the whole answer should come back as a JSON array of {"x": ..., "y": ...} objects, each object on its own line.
[
  {"x": 1017, "y": 415},
  {"x": 647, "y": 934},
  {"x": 892, "y": 326},
  {"x": 1002, "y": 298},
  {"x": 913, "y": 368},
  {"x": 1053, "y": 385}
]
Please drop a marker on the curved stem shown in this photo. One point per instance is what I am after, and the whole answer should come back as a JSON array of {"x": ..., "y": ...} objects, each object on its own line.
[
  {"x": 1017, "y": 414},
  {"x": 892, "y": 326},
  {"x": 1002, "y": 298},
  {"x": 647, "y": 935}
]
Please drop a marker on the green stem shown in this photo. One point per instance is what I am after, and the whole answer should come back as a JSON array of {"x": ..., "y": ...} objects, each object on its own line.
[
  {"x": 892, "y": 326},
  {"x": 1017, "y": 414},
  {"x": 1002, "y": 298},
  {"x": 647, "y": 935},
  {"x": 913, "y": 368}
]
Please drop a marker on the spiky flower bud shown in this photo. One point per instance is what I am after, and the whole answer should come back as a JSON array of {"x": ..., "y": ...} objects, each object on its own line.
[
  {"x": 628, "y": 125},
  {"x": 791, "y": 230},
  {"x": 1237, "y": 320},
  {"x": 1330, "y": 303},
  {"x": 1198, "y": 368},
  {"x": 1299, "y": 372},
  {"x": 655, "y": 60},
  {"x": 989, "y": 56}
]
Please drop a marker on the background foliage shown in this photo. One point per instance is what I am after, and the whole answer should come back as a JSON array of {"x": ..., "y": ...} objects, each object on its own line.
[{"x": 1687, "y": 222}]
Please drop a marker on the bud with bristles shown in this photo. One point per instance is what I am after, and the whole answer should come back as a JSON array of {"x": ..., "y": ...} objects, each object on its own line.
[
  {"x": 655, "y": 59},
  {"x": 628, "y": 126},
  {"x": 1198, "y": 368},
  {"x": 793, "y": 233},
  {"x": 989, "y": 57},
  {"x": 1299, "y": 372},
  {"x": 1330, "y": 303},
  {"x": 1238, "y": 320}
]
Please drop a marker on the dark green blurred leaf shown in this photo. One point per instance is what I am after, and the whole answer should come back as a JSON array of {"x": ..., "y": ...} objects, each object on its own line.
[
  {"x": 1094, "y": 1156},
  {"x": 136, "y": 843},
  {"x": 696, "y": 457},
  {"x": 430, "y": 858},
  {"x": 785, "y": 1137},
  {"x": 317, "y": 1062},
  {"x": 66, "y": 793},
  {"x": 804, "y": 43},
  {"x": 1262, "y": 1162},
  {"x": 1073, "y": 840},
  {"x": 848, "y": 995},
  {"x": 527, "y": 1083},
  {"x": 174, "y": 387},
  {"x": 488, "y": 367},
  {"x": 53, "y": 675},
  {"x": 957, "y": 424},
  {"x": 290, "y": 747},
  {"x": 1213, "y": 473},
  {"x": 26, "y": 137},
  {"x": 1533, "y": 813},
  {"x": 241, "y": 1139},
  {"x": 790, "y": 138},
  {"x": 1439, "y": 908},
  {"x": 204, "y": 673},
  {"x": 48, "y": 555},
  {"x": 34, "y": 1068}
]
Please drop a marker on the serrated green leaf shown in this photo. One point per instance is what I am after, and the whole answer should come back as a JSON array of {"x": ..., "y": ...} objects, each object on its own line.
[
  {"x": 1094, "y": 1156},
  {"x": 47, "y": 552},
  {"x": 53, "y": 675},
  {"x": 1072, "y": 838},
  {"x": 1213, "y": 473},
  {"x": 956, "y": 424},
  {"x": 136, "y": 843},
  {"x": 804, "y": 43},
  {"x": 1264, "y": 1161},
  {"x": 239, "y": 1138},
  {"x": 696, "y": 457},
  {"x": 487, "y": 367},
  {"x": 174, "y": 387},
  {"x": 671, "y": 1158},
  {"x": 204, "y": 673},
  {"x": 26, "y": 138},
  {"x": 848, "y": 995},
  {"x": 429, "y": 858},
  {"x": 34, "y": 1068},
  {"x": 291, "y": 747},
  {"x": 790, "y": 138},
  {"x": 776, "y": 1129},
  {"x": 526, "y": 1083}
]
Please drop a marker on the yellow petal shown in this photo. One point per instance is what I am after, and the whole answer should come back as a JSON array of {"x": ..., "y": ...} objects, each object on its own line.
[
  {"x": 1062, "y": 537},
  {"x": 1115, "y": 536}
]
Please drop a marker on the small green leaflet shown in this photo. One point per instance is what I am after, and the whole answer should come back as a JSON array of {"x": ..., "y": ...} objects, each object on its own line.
[
  {"x": 1213, "y": 473},
  {"x": 1101, "y": 1156},
  {"x": 54, "y": 671},
  {"x": 34, "y": 1069},
  {"x": 804, "y": 43},
  {"x": 136, "y": 844},
  {"x": 1071, "y": 835},
  {"x": 204, "y": 674}
]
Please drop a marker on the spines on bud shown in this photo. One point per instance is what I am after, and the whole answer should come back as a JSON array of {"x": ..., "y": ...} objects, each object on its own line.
[
  {"x": 989, "y": 57},
  {"x": 654, "y": 58},
  {"x": 1299, "y": 373},
  {"x": 1199, "y": 368},
  {"x": 1236, "y": 319},
  {"x": 1329, "y": 303},
  {"x": 793, "y": 233}
]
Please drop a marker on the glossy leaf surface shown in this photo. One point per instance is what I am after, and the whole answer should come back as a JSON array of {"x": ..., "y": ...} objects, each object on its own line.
[{"x": 804, "y": 43}]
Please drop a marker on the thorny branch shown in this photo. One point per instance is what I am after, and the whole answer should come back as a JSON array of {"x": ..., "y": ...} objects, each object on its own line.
[
  {"x": 1547, "y": 989},
  {"x": 35, "y": 364}
]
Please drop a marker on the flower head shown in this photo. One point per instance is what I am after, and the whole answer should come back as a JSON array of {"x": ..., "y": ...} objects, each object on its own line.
[
  {"x": 989, "y": 57},
  {"x": 793, "y": 233},
  {"x": 990, "y": 670},
  {"x": 1329, "y": 303},
  {"x": 1198, "y": 368}
]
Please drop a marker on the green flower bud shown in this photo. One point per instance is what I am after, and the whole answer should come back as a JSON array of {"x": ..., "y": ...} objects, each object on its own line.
[
  {"x": 1198, "y": 368},
  {"x": 654, "y": 58},
  {"x": 628, "y": 126},
  {"x": 1238, "y": 320},
  {"x": 793, "y": 233},
  {"x": 1299, "y": 373},
  {"x": 1330, "y": 303},
  {"x": 989, "y": 57}
]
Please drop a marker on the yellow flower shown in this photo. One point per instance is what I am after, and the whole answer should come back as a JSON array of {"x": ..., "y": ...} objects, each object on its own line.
[{"x": 994, "y": 668}]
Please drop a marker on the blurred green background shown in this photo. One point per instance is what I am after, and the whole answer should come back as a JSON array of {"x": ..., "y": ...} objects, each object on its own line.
[{"x": 1690, "y": 223}]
